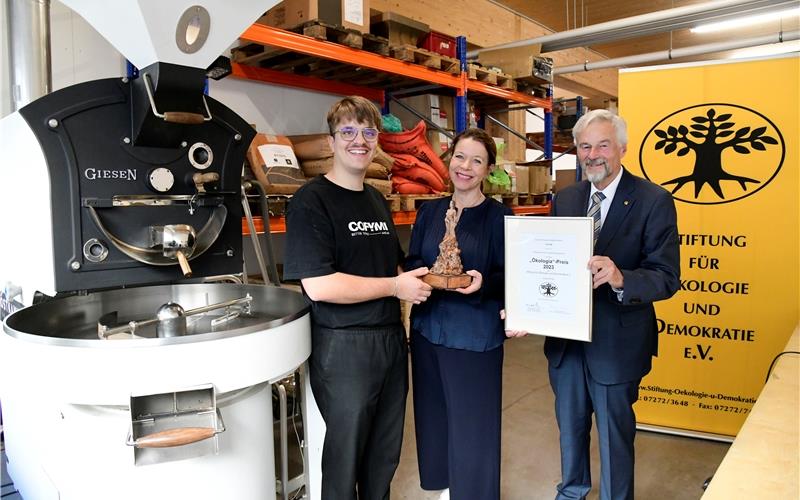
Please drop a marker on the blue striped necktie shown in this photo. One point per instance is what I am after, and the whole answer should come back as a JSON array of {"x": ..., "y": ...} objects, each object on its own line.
[{"x": 594, "y": 213}]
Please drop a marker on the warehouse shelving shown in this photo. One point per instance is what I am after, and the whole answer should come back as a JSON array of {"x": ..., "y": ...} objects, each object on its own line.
[
  {"x": 275, "y": 37},
  {"x": 309, "y": 46}
]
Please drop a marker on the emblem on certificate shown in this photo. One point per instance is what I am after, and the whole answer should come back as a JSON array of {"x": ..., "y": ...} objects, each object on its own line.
[
  {"x": 448, "y": 272},
  {"x": 548, "y": 284}
]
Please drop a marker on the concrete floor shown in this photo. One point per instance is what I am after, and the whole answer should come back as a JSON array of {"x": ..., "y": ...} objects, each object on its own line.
[{"x": 667, "y": 467}]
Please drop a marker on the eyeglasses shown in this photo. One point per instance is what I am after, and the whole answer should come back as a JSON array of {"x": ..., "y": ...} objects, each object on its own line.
[{"x": 370, "y": 134}]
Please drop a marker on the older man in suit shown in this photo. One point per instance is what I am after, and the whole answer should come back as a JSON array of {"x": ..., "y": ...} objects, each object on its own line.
[{"x": 635, "y": 263}]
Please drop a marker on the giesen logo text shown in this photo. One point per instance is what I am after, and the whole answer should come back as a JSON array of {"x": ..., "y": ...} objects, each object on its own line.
[
  {"x": 361, "y": 228},
  {"x": 98, "y": 173}
]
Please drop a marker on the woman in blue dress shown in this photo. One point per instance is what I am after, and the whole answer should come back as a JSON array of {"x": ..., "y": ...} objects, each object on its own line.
[{"x": 457, "y": 335}]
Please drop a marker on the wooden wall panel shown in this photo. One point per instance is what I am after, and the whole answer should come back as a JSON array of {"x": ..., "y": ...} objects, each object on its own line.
[{"x": 486, "y": 24}]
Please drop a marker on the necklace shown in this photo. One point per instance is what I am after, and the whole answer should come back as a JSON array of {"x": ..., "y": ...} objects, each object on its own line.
[{"x": 461, "y": 204}]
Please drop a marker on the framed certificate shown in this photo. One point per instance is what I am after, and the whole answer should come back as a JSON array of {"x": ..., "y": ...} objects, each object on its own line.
[{"x": 548, "y": 284}]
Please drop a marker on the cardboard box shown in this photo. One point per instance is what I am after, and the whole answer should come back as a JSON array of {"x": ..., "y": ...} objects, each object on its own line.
[
  {"x": 400, "y": 30},
  {"x": 491, "y": 189},
  {"x": 352, "y": 14},
  {"x": 439, "y": 109},
  {"x": 564, "y": 178},
  {"x": 539, "y": 176},
  {"x": 523, "y": 178},
  {"x": 520, "y": 62},
  {"x": 446, "y": 106}
]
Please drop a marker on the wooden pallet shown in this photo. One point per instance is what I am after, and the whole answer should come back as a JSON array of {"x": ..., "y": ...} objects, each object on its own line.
[
  {"x": 328, "y": 32},
  {"x": 506, "y": 81},
  {"x": 256, "y": 54},
  {"x": 376, "y": 44},
  {"x": 475, "y": 72},
  {"x": 425, "y": 58},
  {"x": 409, "y": 202},
  {"x": 524, "y": 199},
  {"x": 346, "y": 36}
]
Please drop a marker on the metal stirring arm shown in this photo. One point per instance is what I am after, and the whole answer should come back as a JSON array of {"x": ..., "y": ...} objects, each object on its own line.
[{"x": 104, "y": 330}]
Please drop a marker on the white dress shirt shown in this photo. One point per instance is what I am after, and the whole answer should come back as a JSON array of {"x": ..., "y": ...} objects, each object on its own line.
[{"x": 609, "y": 193}]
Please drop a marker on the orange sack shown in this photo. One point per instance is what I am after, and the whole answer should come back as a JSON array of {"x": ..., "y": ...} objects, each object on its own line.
[
  {"x": 413, "y": 142},
  {"x": 403, "y": 160},
  {"x": 423, "y": 174},
  {"x": 404, "y": 186},
  {"x": 413, "y": 168}
]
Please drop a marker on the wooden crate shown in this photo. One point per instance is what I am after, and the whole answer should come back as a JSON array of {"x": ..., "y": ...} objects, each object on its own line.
[
  {"x": 409, "y": 202},
  {"x": 524, "y": 199}
]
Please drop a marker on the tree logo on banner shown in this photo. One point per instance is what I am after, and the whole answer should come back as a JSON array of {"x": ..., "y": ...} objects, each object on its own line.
[{"x": 713, "y": 153}]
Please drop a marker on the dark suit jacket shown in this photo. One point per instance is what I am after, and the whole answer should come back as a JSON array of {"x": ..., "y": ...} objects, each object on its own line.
[{"x": 640, "y": 235}]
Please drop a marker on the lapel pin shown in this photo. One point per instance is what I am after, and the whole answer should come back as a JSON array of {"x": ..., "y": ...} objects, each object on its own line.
[{"x": 625, "y": 203}]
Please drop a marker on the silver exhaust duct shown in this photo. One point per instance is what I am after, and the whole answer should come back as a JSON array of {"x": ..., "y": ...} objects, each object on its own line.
[
  {"x": 695, "y": 50},
  {"x": 647, "y": 24},
  {"x": 29, "y": 50}
]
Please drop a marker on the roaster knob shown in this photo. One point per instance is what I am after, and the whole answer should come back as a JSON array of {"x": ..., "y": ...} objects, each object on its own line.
[{"x": 161, "y": 179}]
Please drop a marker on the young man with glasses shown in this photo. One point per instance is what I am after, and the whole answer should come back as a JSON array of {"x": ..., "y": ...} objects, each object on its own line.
[{"x": 342, "y": 246}]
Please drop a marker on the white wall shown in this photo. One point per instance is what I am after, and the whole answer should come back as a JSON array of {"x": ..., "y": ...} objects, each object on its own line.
[{"x": 274, "y": 109}]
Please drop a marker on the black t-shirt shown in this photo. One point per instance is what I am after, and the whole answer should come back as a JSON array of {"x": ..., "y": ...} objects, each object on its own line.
[{"x": 331, "y": 229}]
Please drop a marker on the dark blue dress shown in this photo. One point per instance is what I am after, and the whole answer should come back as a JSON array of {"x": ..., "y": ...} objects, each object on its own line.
[{"x": 457, "y": 356}]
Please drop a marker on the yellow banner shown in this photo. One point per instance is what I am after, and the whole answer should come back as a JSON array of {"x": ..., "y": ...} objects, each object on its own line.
[{"x": 723, "y": 138}]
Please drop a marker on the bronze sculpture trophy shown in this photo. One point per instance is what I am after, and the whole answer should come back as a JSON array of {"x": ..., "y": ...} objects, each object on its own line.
[{"x": 447, "y": 272}]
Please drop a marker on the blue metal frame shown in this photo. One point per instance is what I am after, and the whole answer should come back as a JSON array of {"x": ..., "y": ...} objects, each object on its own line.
[
  {"x": 461, "y": 100},
  {"x": 548, "y": 130},
  {"x": 578, "y": 114},
  {"x": 385, "y": 108},
  {"x": 130, "y": 70}
]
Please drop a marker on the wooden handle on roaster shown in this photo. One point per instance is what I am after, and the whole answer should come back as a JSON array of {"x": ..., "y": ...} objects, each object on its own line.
[
  {"x": 174, "y": 437},
  {"x": 184, "y": 263},
  {"x": 184, "y": 117}
]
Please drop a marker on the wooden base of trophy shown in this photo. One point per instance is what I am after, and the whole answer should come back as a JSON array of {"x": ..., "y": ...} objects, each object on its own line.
[{"x": 447, "y": 281}]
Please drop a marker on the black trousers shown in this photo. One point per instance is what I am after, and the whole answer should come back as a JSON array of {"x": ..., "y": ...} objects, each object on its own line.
[
  {"x": 360, "y": 380},
  {"x": 457, "y": 415}
]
